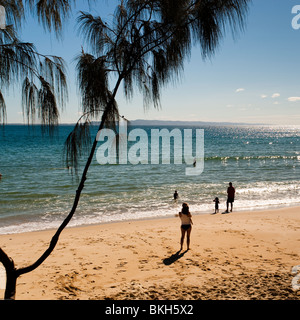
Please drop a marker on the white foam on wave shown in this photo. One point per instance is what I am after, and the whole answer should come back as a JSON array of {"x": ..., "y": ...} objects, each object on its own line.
[
  {"x": 155, "y": 203},
  {"x": 100, "y": 217}
]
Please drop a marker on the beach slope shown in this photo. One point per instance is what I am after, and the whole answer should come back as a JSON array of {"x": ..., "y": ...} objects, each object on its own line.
[{"x": 243, "y": 255}]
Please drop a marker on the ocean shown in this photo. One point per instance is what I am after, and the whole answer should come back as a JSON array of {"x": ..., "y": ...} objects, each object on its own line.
[{"x": 37, "y": 190}]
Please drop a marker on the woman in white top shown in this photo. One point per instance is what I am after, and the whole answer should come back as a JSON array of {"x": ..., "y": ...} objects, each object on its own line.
[{"x": 186, "y": 224}]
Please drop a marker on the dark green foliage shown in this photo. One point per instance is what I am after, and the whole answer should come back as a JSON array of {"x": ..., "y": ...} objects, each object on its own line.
[
  {"x": 145, "y": 47},
  {"x": 148, "y": 42},
  {"x": 73, "y": 150},
  {"x": 44, "y": 87}
]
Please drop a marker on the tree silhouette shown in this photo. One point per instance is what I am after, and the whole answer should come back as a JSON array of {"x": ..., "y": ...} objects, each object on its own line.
[
  {"x": 144, "y": 48},
  {"x": 42, "y": 77}
]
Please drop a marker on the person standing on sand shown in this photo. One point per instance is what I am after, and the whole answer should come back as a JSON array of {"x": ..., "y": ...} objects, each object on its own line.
[
  {"x": 230, "y": 196},
  {"x": 186, "y": 225},
  {"x": 216, "y": 201}
]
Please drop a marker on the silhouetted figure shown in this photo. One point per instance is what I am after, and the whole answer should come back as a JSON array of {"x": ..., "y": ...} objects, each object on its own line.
[
  {"x": 230, "y": 197},
  {"x": 176, "y": 195},
  {"x": 186, "y": 224},
  {"x": 216, "y": 201}
]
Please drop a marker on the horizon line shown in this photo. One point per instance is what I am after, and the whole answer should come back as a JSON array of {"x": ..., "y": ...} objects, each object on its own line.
[{"x": 153, "y": 121}]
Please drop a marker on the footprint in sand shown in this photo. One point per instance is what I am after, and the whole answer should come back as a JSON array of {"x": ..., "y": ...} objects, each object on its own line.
[{"x": 121, "y": 265}]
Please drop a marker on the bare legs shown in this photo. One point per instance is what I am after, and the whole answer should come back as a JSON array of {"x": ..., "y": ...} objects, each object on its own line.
[
  {"x": 182, "y": 238},
  {"x": 188, "y": 238},
  {"x": 231, "y": 204}
]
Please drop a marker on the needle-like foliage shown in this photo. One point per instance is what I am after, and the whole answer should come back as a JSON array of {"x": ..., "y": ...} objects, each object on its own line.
[
  {"x": 147, "y": 43},
  {"x": 145, "y": 47},
  {"x": 43, "y": 78},
  {"x": 44, "y": 87}
]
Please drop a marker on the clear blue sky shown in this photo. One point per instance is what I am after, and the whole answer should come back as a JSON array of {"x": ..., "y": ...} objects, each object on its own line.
[{"x": 253, "y": 78}]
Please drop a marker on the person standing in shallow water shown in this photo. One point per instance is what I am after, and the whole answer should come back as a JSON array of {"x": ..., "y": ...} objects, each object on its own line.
[
  {"x": 186, "y": 225},
  {"x": 176, "y": 195},
  {"x": 230, "y": 197}
]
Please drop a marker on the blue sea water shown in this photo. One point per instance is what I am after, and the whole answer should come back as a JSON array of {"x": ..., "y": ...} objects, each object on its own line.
[{"x": 37, "y": 190}]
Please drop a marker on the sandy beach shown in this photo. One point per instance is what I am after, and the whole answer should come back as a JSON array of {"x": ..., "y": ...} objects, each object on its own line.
[{"x": 241, "y": 255}]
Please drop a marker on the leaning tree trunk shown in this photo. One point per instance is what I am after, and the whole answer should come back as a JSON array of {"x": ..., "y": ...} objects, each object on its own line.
[
  {"x": 11, "y": 278},
  {"x": 12, "y": 273}
]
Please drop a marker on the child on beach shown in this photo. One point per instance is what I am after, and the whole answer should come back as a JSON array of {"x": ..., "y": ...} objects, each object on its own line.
[{"x": 216, "y": 201}]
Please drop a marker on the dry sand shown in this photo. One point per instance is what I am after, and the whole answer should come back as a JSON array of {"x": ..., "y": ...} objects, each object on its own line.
[{"x": 242, "y": 255}]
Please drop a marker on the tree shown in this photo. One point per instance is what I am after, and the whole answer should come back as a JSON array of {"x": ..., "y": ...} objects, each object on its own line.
[
  {"x": 43, "y": 77},
  {"x": 144, "y": 48}
]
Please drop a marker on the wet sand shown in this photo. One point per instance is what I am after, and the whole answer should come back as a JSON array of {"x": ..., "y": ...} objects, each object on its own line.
[{"x": 241, "y": 255}]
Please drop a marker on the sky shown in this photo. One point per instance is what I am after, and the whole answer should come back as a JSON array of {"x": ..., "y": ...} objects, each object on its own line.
[{"x": 252, "y": 78}]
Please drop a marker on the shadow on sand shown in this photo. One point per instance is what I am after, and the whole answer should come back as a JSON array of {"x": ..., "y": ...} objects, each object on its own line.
[{"x": 174, "y": 257}]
